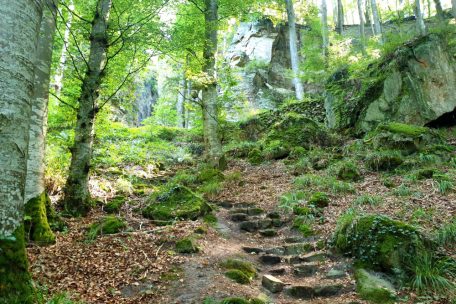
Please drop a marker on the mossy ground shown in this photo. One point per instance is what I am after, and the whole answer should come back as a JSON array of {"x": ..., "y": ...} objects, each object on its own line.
[
  {"x": 107, "y": 225},
  {"x": 187, "y": 245}
]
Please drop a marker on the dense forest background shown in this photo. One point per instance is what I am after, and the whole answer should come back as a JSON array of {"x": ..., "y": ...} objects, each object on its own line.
[{"x": 226, "y": 151}]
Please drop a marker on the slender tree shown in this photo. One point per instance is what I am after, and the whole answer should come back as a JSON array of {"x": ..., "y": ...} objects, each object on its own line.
[
  {"x": 19, "y": 28},
  {"x": 35, "y": 194},
  {"x": 340, "y": 17},
  {"x": 377, "y": 23},
  {"x": 324, "y": 27},
  {"x": 439, "y": 9},
  {"x": 299, "y": 88},
  {"x": 58, "y": 78},
  {"x": 214, "y": 154},
  {"x": 362, "y": 34},
  {"x": 76, "y": 192},
  {"x": 181, "y": 97},
  {"x": 419, "y": 18},
  {"x": 453, "y": 6}
]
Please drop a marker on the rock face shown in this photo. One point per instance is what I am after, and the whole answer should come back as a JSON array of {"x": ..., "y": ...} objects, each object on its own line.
[{"x": 414, "y": 85}]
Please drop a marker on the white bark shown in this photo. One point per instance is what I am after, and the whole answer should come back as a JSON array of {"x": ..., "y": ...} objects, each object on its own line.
[
  {"x": 419, "y": 18},
  {"x": 324, "y": 27},
  {"x": 376, "y": 17},
  {"x": 362, "y": 35},
  {"x": 299, "y": 88},
  {"x": 38, "y": 122},
  {"x": 58, "y": 79},
  {"x": 209, "y": 93},
  {"x": 180, "y": 105},
  {"x": 19, "y": 27}
]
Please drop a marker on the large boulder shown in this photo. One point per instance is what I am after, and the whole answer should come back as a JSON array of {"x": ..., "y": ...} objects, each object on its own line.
[{"x": 415, "y": 85}]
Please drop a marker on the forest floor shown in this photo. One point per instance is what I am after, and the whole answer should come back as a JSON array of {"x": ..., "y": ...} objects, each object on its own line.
[{"x": 140, "y": 265}]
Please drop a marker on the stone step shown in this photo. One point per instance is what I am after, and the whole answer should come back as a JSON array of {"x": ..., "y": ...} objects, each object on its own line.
[
  {"x": 298, "y": 248},
  {"x": 316, "y": 256},
  {"x": 253, "y": 226},
  {"x": 272, "y": 283},
  {"x": 268, "y": 232},
  {"x": 248, "y": 211},
  {"x": 308, "y": 292},
  {"x": 278, "y": 271},
  {"x": 253, "y": 250},
  {"x": 305, "y": 270},
  {"x": 269, "y": 259},
  {"x": 273, "y": 215},
  {"x": 223, "y": 204},
  {"x": 239, "y": 217}
]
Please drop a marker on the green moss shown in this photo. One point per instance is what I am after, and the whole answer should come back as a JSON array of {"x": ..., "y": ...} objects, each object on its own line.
[
  {"x": 238, "y": 276},
  {"x": 305, "y": 228},
  {"x": 187, "y": 245},
  {"x": 245, "y": 267},
  {"x": 201, "y": 230},
  {"x": 209, "y": 174},
  {"x": 176, "y": 202},
  {"x": 404, "y": 129},
  {"x": 348, "y": 171},
  {"x": 384, "y": 160},
  {"x": 374, "y": 289},
  {"x": 15, "y": 280},
  {"x": 425, "y": 173},
  {"x": 107, "y": 225},
  {"x": 114, "y": 205},
  {"x": 36, "y": 225},
  {"x": 255, "y": 157},
  {"x": 319, "y": 200},
  {"x": 300, "y": 210},
  {"x": 275, "y": 149},
  {"x": 377, "y": 241}
]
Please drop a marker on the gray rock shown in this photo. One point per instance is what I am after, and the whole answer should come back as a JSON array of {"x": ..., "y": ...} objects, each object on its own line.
[
  {"x": 270, "y": 259},
  {"x": 300, "y": 292},
  {"x": 374, "y": 287},
  {"x": 268, "y": 232},
  {"x": 272, "y": 284},
  {"x": 275, "y": 250},
  {"x": 305, "y": 270},
  {"x": 328, "y": 290},
  {"x": 278, "y": 271},
  {"x": 335, "y": 273},
  {"x": 297, "y": 248},
  {"x": 239, "y": 217},
  {"x": 252, "y": 250},
  {"x": 317, "y": 256}
]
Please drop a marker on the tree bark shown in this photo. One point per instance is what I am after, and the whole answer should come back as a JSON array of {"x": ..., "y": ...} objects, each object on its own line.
[
  {"x": 324, "y": 27},
  {"x": 340, "y": 18},
  {"x": 362, "y": 34},
  {"x": 419, "y": 18},
  {"x": 376, "y": 17},
  {"x": 214, "y": 154},
  {"x": 19, "y": 24},
  {"x": 299, "y": 88},
  {"x": 58, "y": 79},
  {"x": 180, "y": 105},
  {"x": 453, "y": 4},
  {"x": 186, "y": 109},
  {"x": 76, "y": 193},
  {"x": 439, "y": 9}
]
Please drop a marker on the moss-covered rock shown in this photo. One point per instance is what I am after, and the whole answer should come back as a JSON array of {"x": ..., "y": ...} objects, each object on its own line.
[
  {"x": 240, "y": 271},
  {"x": 209, "y": 174},
  {"x": 176, "y": 202},
  {"x": 237, "y": 276},
  {"x": 373, "y": 288},
  {"x": 107, "y": 225},
  {"x": 36, "y": 224},
  {"x": 15, "y": 280},
  {"x": 378, "y": 242},
  {"x": 319, "y": 200},
  {"x": 187, "y": 245},
  {"x": 348, "y": 171},
  {"x": 255, "y": 156},
  {"x": 383, "y": 160},
  {"x": 275, "y": 149},
  {"x": 114, "y": 205}
]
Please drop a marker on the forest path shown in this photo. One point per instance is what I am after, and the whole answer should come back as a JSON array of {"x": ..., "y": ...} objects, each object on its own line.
[{"x": 251, "y": 227}]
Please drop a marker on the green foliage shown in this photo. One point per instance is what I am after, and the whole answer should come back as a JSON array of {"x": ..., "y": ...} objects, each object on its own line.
[
  {"x": 319, "y": 200},
  {"x": 373, "y": 288},
  {"x": 240, "y": 149},
  {"x": 107, "y": 225},
  {"x": 402, "y": 190},
  {"x": 209, "y": 174},
  {"x": 237, "y": 276},
  {"x": 444, "y": 183},
  {"x": 186, "y": 245},
  {"x": 446, "y": 234},
  {"x": 275, "y": 149},
  {"x": 348, "y": 171},
  {"x": 366, "y": 199},
  {"x": 255, "y": 156},
  {"x": 114, "y": 205},
  {"x": 323, "y": 183},
  {"x": 304, "y": 225}
]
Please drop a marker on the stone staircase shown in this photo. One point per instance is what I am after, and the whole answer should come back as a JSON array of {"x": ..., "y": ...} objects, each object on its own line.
[{"x": 295, "y": 267}]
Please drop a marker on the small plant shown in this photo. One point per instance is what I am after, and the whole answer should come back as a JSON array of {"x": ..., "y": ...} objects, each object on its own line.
[
  {"x": 402, "y": 190},
  {"x": 446, "y": 235},
  {"x": 443, "y": 183},
  {"x": 367, "y": 199},
  {"x": 319, "y": 200},
  {"x": 240, "y": 271},
  {"x": 288, "y": 201},
  {"x": 211, "y": 188},
  {"x": 348, "y": 171},
  {"x": 187, "y": 245}
]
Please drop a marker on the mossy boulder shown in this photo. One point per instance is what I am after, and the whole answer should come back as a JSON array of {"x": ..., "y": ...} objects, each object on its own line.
[
  {"x": 237, "y": 276},
  {"x": 176, "y": 202},
  {"x": 187, "y": 245},
  {"x": 384, "y": 160},
  {"x": 36, "y": 221},
  {"x": 348, "y": 171},
  {"x": 114, "y": 205},
  {"x": 108, "y": 225},
  {"x": 378, "y": 242},
  {"x": 275, "y": 149},
  {"x": 373, "y": 288},
  {"x": 319, "y": 200},
  {"x": 239, "y": 271},
  {"x": 255, "y": 156}
]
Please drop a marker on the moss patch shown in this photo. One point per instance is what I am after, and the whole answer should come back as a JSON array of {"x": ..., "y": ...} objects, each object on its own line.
[
  {"x": 348, "y": 171},
  {"x": 238, "y": 270},
  {"x": 36, "y": 224},
  {"x": 255, "y": 156},
  {"x": 114, "y": 205},
  {"x": 384, "y": 160},
  {"x": 108, "y": 225},
  {"x": 319, "y": 200},
  {"x": 176, "y": 202},
  {"x": 15, "y": 280},
  {"x": 186, "y": 245},
  {"x": 237, "y": 276},
  {"x": 373, "y": 288}
]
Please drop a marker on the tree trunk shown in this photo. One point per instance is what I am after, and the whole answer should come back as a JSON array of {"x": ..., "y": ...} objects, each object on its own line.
[
  {"x": 324, "y": 27},
  {"x": 362, "y": 34},
  {"x": 340, "y": 17},
  {"x": 187, "y": 109},
  {"x": 40, "y": 231},
  {"x": 76, "y": 192},
  {"x": 180, "y": 105},
  {"x": 419, "y": 18},
  {"x": 58, "y": 79},
  {"x": 439, "y": 9},
  {"x": 214, "y": 154},
  {"x": 453, "y": 4},
  {"x": 299, "y": 88},
  {"x": 19, "y": 24},
  {"x": 376, "y": 17}
]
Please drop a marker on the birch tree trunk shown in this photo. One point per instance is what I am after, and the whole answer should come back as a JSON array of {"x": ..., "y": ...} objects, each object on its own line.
[
  {"x": 186, "y": 109},
  {"x": 180, "y": 105},
  {"x": 58, "y": 79},
  {"x": 419, "y": 18},
  {"x": 214, "y": 154},
  {"x": 362, "y": 34},
  {"x": 76, "y": 191},
  {"x": 299, "y": 88},
  {"x": 453, "y": 4},
  {"x": 376, "y": 17},
  {"x": 340, "y": 18},
  {"x": 439, "y": 9},
  {"x": 324, "y": 27},
  {"x": 19, "y": 28}
]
